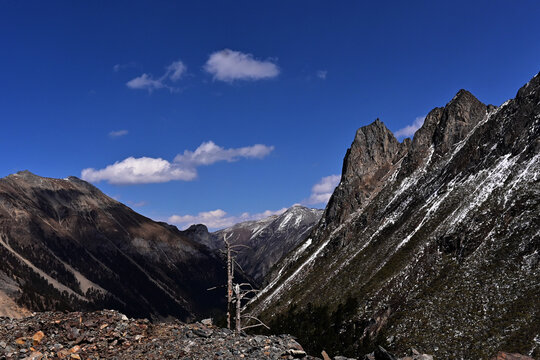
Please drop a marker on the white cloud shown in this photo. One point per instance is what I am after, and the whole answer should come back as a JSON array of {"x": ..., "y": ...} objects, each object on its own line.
[
  {"x": 229, "y": 65},
  {"x": 409, "y": 130},
  {"x": 208, "y": 153},
  {"x": 173, "y": 72},
  {"x": 146, "y": 170},
  {"x": 321, "y": 192},
  {"x": 219, "y": 219},
  {"x": 115, "y": 134},
  {"x": 145, "y": 82},
  {"x": 139, "y": 171},
  {"x": 321, "y": 74}
]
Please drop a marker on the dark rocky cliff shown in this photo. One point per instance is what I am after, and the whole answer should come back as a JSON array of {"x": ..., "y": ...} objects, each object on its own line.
[{"x": 436, "y": 240}]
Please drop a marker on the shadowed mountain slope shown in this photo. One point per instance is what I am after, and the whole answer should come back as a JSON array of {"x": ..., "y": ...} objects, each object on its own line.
[{"x": 66, "y": 245}]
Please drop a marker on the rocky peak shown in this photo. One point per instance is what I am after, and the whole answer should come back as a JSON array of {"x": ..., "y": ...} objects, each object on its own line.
[
  {"x": 200, "y": 233},
  {"x": 460, "y": 115},
  {"x": 36, "y": 185},
  {"x": 372, "y": 155},
  {"x": 443, "y": 128}
]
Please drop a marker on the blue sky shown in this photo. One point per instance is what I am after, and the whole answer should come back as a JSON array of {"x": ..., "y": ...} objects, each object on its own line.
[{"x": 269, "y": 92}]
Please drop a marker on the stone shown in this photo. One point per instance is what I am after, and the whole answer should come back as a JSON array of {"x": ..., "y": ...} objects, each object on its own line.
[
  {"x": 36, "y": 355},
  {"x": 325, "y": 355},
  {"x": 295, "y": 353},
  {"x": 501, "y": 355},
  {"x": 38, "y": 337}
]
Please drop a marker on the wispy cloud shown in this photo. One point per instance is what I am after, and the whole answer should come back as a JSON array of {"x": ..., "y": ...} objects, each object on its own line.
[
  {"x": 321, "y": 74},
  {"x": 137, "y": 203},
  {"x": 146, "y": 82},
  {"x": 146, "y": 170},
  {"x": 218, "y": 219},
  {"x": 229, "y": 65},
  {"x": 119, "y": 67},
  {"x": 175, "y": 70},
  {"x": 118, "y": 133},
  {"x": 208, "y": 153},
  {"x": 409, "y": 130},
  {"x": 173, "y": 73},
  {"x": 321, "y": 191}
]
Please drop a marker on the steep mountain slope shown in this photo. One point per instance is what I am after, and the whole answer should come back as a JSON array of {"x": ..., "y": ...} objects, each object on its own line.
[
  {"x": 436, "y": 240},
  {"x": 266, "y": 241},
  {"x": 66, "y": 245}
]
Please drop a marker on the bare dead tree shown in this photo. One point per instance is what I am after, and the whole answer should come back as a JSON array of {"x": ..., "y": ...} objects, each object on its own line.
[
  {"x": 239, "y": 290},
  {"x": 230, "y": 252},
  {"x": 230, "y": 277},
  {"x": 240, "y": 293}
]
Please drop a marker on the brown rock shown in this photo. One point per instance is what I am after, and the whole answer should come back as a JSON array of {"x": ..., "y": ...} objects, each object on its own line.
[
  {"x": 34, "y": 356},
  {"x": 63, "y": 353},
  {"x": 501, "y": 355},
  {"x": 38, "y": 337}
]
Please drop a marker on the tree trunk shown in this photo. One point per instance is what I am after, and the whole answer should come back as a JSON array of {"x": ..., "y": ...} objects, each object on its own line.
[
  {"x": 229, "y": 283},
  {"x": 238, "y": 308}
]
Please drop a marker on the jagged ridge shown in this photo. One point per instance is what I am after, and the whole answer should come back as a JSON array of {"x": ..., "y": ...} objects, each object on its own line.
[{"x": 438, "y": 243}]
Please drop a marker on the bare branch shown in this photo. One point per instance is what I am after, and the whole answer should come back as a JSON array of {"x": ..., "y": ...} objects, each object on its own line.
[
  {"x": 215, "y": 287},
  {"x": 240, "y": 245},
  {"x": 240, "y": 266},
  {"x": 254, "y": 325}
]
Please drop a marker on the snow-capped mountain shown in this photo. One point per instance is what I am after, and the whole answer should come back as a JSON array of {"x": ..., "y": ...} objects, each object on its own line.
[
  {"x": 64, "y": 245},
  {"x": 266, "y": 241},
  {"x": 436, "y": 239}
]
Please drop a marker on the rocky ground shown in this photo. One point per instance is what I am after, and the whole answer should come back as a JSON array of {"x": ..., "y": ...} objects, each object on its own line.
[{"x": 111, "y": 335}]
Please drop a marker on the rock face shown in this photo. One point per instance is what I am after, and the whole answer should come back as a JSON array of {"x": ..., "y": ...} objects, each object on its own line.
[
  {"x": 377, "y": 152},
  {"x": 436, "y": 239},
  {"x": 111, "y": 335},
  {"x": 65, "y": 245},
  {"x": 265, "y": 241}
]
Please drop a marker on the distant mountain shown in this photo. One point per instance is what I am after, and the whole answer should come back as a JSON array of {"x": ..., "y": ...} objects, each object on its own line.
[
  {"x": 65, "y": 245},
  {"x": 431, "y": 243},
  {"x": 266, "y": 240}
]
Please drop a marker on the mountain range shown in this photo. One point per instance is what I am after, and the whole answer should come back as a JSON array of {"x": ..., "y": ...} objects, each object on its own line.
[
  {"x": 431, "y": 243},
  {"x": 261, "y": 243},
  {"x": 67, "y": 246}
]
